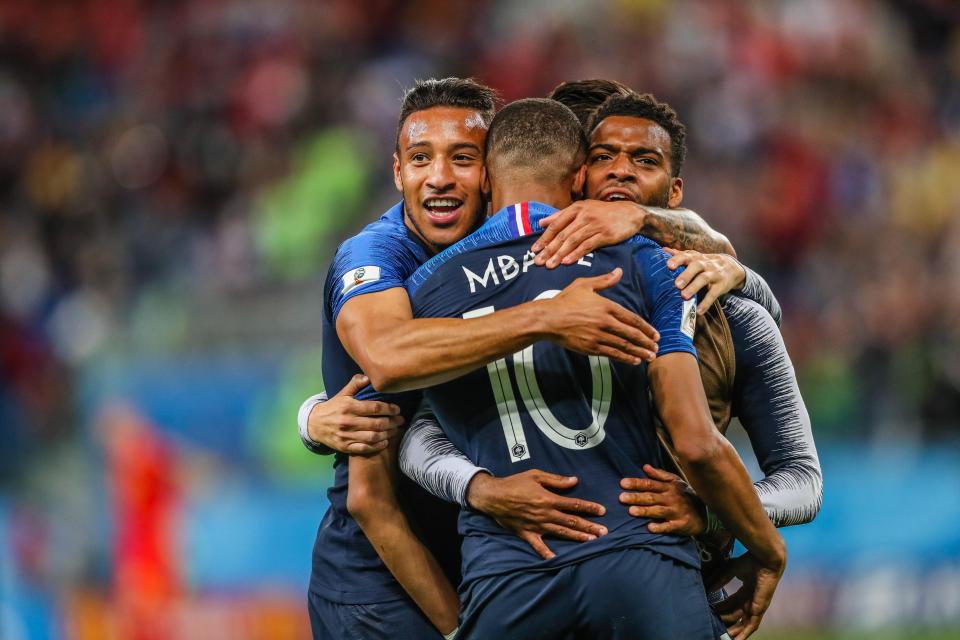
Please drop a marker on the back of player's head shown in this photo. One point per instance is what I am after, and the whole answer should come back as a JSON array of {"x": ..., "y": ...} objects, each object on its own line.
[
  {"x": 584, "y": 96},
  {"x": 465, "y": 93},
  {"x": 537, "y": 139},
  {"x": 646, "y": 106}
]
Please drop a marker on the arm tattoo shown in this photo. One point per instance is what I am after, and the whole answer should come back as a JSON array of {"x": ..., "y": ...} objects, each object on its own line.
[{"x": 684, "y": 229}]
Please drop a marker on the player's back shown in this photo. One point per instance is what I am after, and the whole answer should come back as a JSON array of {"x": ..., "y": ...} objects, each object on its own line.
[{"x": 545, "y": 407}]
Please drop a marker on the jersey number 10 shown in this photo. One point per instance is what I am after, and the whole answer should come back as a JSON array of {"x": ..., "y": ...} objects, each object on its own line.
[{"x": 536, "y": 407}]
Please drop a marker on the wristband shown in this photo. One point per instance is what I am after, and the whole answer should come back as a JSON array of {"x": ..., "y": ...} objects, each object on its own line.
[{"x": 303, "y": 424}]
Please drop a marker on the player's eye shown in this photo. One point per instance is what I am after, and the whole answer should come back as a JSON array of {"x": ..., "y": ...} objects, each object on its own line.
[
  {"x": 463, "y": 158},
  {"x": 419, "y": 157},
  {"x": 601, "y": 157},
  {"x": 647, "y": 160}
]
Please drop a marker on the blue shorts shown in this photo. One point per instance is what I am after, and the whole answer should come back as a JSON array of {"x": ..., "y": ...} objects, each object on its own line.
[
  {"x": 394, "y": 620},
  {"x": 621, "y": 595}
]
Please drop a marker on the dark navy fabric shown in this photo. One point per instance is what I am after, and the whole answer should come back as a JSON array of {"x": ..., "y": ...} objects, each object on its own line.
[
  {"x": 346, "y": 568},
  {"x": 393, "y": 620},
  {"x": 545, "y": 407},
  {"x": 621, "y": 595}
]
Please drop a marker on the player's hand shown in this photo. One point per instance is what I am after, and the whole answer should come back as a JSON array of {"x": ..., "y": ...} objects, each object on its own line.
[
  {"x": 583, "y": 321},
  {"x": 355, "y": 427},
  {"x": 717, "y": 272},
  {"x": 525, "y": 503},
  {"x": 666, "y": 498},
  {"x": 584, "y": 226},
  {"x": 743, "y": 611}
]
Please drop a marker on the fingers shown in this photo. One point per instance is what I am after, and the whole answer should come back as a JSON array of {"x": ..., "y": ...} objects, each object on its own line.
[
  {"x": 555, "y": 224},
  {"x": 745, "y": 628},
  {"x": 354, "y": 386},
  {"x": 554, "y": 481},
  {"x": 644, "y": 484},
  {"x": 700, "y": 282},
  {"x": 693, "y": 270},
  {"x": 658, "y": 511},
  {"x": 535, "y": 541},
  {"x": 566, "y": 241},
  {"x": 577, "y": 505},
  {"x": 361, "y": 449},
  {"x": 353, "y": 425},
  {"x": 642, "y": 332},
  {"x": 373, "y": 408},
  {"x": 560, "y": 531},
  {"x": 599, "y": 283},
  {"x": 677, "y": 526},
  {"x": 709, "y": 298},
  {"x": 681, "y": 258},
  {"x": 660, "y": 474}
]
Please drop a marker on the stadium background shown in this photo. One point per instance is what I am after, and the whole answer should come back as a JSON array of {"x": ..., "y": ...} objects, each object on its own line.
[{"x": 174, "y": 177}]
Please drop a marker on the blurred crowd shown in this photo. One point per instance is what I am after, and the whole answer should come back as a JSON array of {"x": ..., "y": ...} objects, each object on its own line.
[{"x": 165, "y": 165}]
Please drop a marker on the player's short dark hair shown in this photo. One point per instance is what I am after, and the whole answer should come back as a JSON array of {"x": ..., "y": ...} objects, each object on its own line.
[
  {"x": 646, "y": 106},
  {"x": 584, "y": 96},
  {"x": 465, "y": 93},
  {"x": 537, "y": 136}
]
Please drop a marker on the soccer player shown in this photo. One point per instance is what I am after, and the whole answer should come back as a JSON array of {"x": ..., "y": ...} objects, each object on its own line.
[
  {"x": 366, "y": 545},
  {"x": 532, "y": 411},
  {"x": 744, "y": 365}
]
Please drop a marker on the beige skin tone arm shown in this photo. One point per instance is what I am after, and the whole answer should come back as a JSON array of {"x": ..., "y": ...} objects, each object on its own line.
[
  {"x": 371, "y": 500},
  {"x": 717, "y": 474},
  {"x": 400, "y": 353}
]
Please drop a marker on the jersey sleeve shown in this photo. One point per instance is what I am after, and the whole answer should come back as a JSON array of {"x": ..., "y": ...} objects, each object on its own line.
[
  {"x": 429, "y": 458},
  {"x": 756, "y": 288},
  {"x": 768, "y": 403},
  {"x": 367, "y": 263},
  {"x": 671, "y": 315}
]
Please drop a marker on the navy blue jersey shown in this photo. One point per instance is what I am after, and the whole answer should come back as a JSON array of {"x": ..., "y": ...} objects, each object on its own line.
[
  {"x": 546, "y": 407},
  {"x": 346, "y": 568}
]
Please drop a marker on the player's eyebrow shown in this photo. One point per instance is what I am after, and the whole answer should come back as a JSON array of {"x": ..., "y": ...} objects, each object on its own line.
[
  {"x": 465, "y": 145},
  {"x": 634, "y": 151},
  {"x": 414, "y": 145}
]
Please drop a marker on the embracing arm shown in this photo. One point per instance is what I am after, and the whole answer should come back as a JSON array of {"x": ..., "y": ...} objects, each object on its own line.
[
  {"x": 585, "y": 225},
  {"x": 524, "y": 503},
  {"x": 400, "y": 353},
  {"x": 767, "y": 400},
  {"x": 711, "y": 464},
  {"x": 372, "y": 501}
]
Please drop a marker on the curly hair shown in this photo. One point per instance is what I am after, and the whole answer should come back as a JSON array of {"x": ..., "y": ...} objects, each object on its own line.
[
  {"x": 584, "y": 96},
  {"x": 465, "y": 93},
  {"x": 646, "y": 106}
]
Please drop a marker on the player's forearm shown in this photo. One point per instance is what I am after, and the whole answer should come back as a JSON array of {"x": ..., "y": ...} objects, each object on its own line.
[
  {"x": 684, "y": 229},
  {"x": 709, "y": 462},
  {"x": 427, "y": 351},
  {"x": 720, "y": 480},
  {"x": 371, "y": 500}
]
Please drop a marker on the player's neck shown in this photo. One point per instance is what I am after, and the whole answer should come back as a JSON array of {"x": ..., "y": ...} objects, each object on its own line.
[{"x": 558, "y": 197}]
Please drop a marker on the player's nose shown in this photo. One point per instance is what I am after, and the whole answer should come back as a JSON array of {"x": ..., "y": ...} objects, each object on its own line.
[
  {"x": 441, "y": 176},
  {"x": 621, "y": 169}
]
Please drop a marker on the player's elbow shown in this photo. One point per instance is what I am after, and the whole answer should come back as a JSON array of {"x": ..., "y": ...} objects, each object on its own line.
[
  {"x": 364, "y": 504},
  {"x": 701, "y": 453}
]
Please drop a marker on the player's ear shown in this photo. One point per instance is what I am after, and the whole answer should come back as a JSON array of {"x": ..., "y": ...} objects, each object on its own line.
[
  {"x": 485, "y": 181},
  {"x": 396, "y": 173},
  {"x": 676, "y": 193},
  {"x": 579, "y": 181}
]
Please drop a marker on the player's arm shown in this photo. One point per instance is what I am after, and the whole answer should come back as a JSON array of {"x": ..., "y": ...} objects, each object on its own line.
[
  {"x": 586, "y": 225},
  {"x": 768, "y": 403},
  {"x": 717, "y": 474},
  {"x": 400, "y": 353},
  {"x": 522, "y": 503},
  {"x": 372, "y": 501},
  {"x": 712, "y": 275},
  {"x": 343, "y": 424}
]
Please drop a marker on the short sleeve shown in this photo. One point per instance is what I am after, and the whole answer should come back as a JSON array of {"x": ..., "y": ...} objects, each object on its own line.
[
  {"x": 671, "y": 315},
  {"x": 367, "y": 263}
]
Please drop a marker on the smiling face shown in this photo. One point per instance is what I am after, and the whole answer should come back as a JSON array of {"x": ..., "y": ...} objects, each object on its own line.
[
  {"x": 629, "y": 159},
  {"x": 439, "y": 169}
]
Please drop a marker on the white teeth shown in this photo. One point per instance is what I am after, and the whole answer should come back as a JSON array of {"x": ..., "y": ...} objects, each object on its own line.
[
  {"x": 616, "y": 196},
  {"x": 439, "y": 202}
]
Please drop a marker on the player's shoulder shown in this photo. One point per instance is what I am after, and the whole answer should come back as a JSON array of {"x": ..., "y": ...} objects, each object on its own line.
[{"x": 384, "y": 231}]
